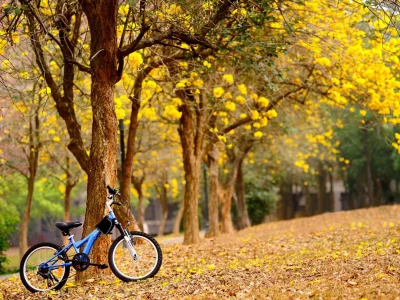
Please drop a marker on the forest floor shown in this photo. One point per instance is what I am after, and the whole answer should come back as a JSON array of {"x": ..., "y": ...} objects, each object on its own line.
[{"x": 343, "y": 255}]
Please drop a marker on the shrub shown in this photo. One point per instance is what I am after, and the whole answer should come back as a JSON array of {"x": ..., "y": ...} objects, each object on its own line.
[
  {"x": 260, "y": 201},
  {"x": 8, "y": 225}
]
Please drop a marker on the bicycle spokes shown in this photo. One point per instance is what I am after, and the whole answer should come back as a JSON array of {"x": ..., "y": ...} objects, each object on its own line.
[{"x": 135, "y": 258}]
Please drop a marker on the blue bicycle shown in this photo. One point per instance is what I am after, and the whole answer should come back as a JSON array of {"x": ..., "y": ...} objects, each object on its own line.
[{"x": 132, "y": 256}]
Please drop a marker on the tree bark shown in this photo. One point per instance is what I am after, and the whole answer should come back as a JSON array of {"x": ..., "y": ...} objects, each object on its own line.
[
  {"x": 191, "y": 135},
  {"x": 102, "y": 19},
  {"x": 67, "y": 207},
  {"x": 282, "y": 202},
  {"x": 190, "y": 206},
  {"x": 138, "y": 183},
  {"x": 33, "y": 162},
  {"x": 244, "y": 220},
  {"x": 23, "y": 231},
  {"x": 229, "y": 186},
  {"x": 331, "y": 193},
  {"x": 164, "y": 206},
  {"x": 178, "y": 218},
  {"x": 321, "y": 189},
  {"x": 213, "y": 167}
]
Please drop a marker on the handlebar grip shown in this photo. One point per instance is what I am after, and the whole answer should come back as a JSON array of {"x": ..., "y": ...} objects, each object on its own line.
[{"x": 111, "y": 191}]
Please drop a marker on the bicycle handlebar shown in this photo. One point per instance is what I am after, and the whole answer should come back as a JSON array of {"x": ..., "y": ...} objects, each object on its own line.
[{"x": 112, "y": 191}]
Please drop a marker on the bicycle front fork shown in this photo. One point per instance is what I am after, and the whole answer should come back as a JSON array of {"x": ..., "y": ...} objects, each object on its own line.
[{"x": 127, "y": 238}]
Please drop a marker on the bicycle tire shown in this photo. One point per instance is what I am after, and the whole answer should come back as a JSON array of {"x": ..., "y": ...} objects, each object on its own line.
[
  {"x": 26, "y": 281},
  {"x": 121, "y": 275}
]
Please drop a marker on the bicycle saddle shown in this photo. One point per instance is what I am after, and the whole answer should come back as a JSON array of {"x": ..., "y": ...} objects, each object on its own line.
[{"x": 65, "y": 227}]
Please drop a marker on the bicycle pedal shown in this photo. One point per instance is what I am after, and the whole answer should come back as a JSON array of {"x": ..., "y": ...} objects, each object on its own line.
[{"x": 104, "y": 266}]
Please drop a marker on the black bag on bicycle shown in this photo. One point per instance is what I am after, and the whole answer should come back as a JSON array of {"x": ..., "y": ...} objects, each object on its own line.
[{"x": 105, "y": 226}]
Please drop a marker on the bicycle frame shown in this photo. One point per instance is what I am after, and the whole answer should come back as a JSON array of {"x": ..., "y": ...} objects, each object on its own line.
[{"x": 89, "y": 240}]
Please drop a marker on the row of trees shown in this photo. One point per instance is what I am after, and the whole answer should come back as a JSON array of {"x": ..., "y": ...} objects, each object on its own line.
[{"x": 216, "y": 82}]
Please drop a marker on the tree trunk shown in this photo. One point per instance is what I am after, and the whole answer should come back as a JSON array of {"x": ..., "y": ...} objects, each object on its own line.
[
  {"x": 331, "y": 194},
  {"x": 33, "y": 161},
  {"x": 190, "y": 206},
  {"x": 282, "y": 202},
  {"x": 213, "y": 168},
  {"x": 191, "y": 135},
  {"x": 362, "y": 199},
  {"x": 226, "y": 204},
  {"x": 226, "y": 199},
  {"x": 23, "y": 231},
  {"x": 229, "y": 186},
  {"x": 321, "y": 189},
  {"x": 290, "y": 213},
  {"x": 102, "y": 19},
  {"x": 178, "y": 219},
  {"x": 164, "y": 207},
  {"x": 309, "y": 205},
  {"x": 244, "y": 220},
  {"x": 138, "y": 183},
  {"x": 372, "y": 200},
  {"x": 67, "y": 206},
  {"x": 128, "y": 168}
]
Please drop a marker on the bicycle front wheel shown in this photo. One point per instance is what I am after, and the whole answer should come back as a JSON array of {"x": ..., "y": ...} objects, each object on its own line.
[
  {"x": 39, "y": 271},
  {"x": 135, "y": 258}
]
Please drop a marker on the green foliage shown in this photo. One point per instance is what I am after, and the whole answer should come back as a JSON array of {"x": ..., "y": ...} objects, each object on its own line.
[
  {"x": 47, "y": 199},
  {"x": 379, "y": 138},
  {"x": 261, "y": 198},
  {"x": 8, "y": 225}
]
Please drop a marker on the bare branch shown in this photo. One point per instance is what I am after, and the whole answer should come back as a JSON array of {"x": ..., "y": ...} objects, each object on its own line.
[{"x": 80, "y": 66}]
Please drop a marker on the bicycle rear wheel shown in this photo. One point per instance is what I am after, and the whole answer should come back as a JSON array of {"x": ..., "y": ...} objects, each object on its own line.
[
  {"x": 39, "y": 277},
  {"x": 141, "y": 263}
]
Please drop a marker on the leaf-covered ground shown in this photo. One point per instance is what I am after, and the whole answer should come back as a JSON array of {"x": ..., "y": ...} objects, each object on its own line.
[{"x": 352, "y": 255}]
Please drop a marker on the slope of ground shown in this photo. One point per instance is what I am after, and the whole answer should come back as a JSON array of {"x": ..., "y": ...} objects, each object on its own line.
[{"x": 352, "y": 255}]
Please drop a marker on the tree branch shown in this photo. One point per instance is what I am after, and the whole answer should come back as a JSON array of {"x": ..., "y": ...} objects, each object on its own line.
[
  {"x": 219, "y": 15},
  {"x": 80, "y": 66},
  {"x": 64, "y": 105}
]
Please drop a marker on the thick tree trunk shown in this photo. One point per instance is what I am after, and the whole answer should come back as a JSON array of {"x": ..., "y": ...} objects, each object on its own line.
[
  {"x": 321, "y": 189},
  {"x": 244, "y": 220},
  {"x": 164, "y": 208},
  {"x": 213, "y": 168},
  {"x": 191, "y": 135},
  {"x": 178, "y": 218},
  {"x": 190, "y": 206},
  {"x": 102, "y": 19}
]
